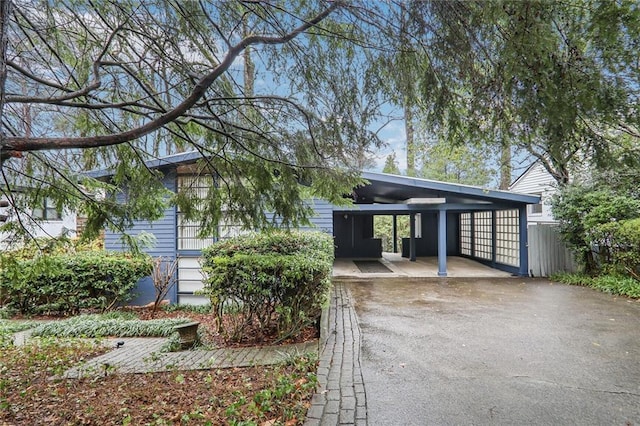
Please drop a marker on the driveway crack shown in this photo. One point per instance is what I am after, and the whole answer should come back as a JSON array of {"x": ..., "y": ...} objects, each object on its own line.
[{"x": 565, "y": 386}]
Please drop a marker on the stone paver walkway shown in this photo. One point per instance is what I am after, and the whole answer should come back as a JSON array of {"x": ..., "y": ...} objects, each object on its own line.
[
  {"x": 142, "y": 355},
  {"x": 341, "y": 397}
]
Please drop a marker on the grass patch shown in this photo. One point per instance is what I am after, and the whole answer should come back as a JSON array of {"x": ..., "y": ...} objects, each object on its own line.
[
  {"x": 612, "y": 284},
  {"x": 112, "y": 324}
]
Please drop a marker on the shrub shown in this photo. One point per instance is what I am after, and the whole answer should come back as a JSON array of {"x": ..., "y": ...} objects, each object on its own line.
[
  {"x": 581, "y": 211},
  {"x": 278, "y": 280},
  {"x": 66, "y": 282},
  {"x": 619, "y": 244}
]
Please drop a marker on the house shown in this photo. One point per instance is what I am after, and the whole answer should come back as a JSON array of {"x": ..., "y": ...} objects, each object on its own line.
[
  {"x": 536, "y": 180},
  {"x": 548, "y": 254},
  {"x": 446, "y": 219},
  {"x": 43, "y": 221}
]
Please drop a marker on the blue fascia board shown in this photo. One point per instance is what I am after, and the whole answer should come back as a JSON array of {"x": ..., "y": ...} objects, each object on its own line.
[
  {"x": 416, "y": 208},
  {"x": 454, "y": 188}
]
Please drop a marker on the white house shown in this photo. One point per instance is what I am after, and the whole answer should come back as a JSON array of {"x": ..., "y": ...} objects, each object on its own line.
[
  {"x": 547, "y": 252},
  {"x": 43, "y": 221},
  {"x": 536, "y": 180}
]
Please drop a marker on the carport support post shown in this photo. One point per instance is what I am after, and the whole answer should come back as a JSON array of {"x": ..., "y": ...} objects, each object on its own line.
[
  {"x": 412, "y": 235},
  {"x": 442, "y": 243},
  {"x": 395, "y": 233},
  {"x": 524, "y": 242}
]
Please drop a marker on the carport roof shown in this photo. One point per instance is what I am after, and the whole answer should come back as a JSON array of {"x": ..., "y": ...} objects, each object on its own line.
[{"x": 384, "y": 188}]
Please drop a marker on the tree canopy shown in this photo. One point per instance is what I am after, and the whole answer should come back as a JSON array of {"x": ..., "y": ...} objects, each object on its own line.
[
  {"x": 114, "y": 84},
  {"x": 557, "y": 79},
  {"x": 278, "y": 94}
]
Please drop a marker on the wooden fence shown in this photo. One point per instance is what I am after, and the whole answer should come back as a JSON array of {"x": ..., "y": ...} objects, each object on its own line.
[{"x": 548, "y": 254}]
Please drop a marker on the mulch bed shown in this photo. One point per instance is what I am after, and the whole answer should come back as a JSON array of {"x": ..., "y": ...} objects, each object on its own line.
[{"x": 254, "y": 336}]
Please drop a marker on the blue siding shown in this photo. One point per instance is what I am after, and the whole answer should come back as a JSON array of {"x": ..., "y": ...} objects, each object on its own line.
[
  {"x": 164, "y": 230},
  {"x": 323, "y": 220}
]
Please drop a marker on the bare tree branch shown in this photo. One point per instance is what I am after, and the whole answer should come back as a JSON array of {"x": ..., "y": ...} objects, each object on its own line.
[{"x": 22, "y": 144}]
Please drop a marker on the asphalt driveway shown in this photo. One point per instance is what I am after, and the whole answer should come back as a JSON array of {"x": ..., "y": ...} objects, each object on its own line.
[{"x": 497, "y": 351}]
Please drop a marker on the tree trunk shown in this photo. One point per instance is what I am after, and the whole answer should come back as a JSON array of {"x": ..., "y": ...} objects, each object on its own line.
[
  {"x": 411, "y": 145},
  {"x": 505, "y": 167}
]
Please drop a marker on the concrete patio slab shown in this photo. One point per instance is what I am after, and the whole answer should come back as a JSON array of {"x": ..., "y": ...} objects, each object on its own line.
[{"x": 423, "y": 267}]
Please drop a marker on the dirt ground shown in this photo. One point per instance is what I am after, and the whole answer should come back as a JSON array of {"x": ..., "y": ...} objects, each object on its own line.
[{"x": 261, "y": 396}]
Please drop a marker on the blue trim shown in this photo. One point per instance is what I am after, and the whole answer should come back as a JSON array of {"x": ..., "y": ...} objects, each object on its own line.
[
  {"x": 189, "y": 253},
  {"x": 442, "y": 243},
  {"x": 500, "y": 266},
  {"x": 390, "y": 209},
  {"x": 524, "y": 243}
]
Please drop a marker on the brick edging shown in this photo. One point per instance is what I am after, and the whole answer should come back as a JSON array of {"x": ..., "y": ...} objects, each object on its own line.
[{"x": 340, "y": 397}]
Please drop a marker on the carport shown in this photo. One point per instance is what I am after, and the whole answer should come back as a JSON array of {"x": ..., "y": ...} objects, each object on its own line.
[{"x": 446, "y": 219}]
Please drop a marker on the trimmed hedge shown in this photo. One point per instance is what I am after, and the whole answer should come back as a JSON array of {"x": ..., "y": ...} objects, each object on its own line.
[
  {"x": 279, "y": 280},
  {"x": 66, "y": 283}
]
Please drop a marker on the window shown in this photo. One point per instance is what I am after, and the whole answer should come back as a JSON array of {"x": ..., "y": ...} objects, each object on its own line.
[
  {"x": 482, "y": 234},
  {"x": 48, "y": 211},
  {"x": 535, "y": 208},
  {"x": 465, "y": 234},
  {"x": 188, "y": 230},
  {"x": 508, "y": 237}
]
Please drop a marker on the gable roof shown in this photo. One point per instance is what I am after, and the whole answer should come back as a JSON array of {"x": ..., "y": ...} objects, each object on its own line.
[
  {"x": 157, "y": 163},
  {"x": 381, "y": 188},
  {"x": 524, "y": 174}
]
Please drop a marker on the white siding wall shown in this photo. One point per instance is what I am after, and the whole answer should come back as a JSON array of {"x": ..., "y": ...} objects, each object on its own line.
[
  {"x": 537, "y": 181},
  {"x": 45, "y": 229}
]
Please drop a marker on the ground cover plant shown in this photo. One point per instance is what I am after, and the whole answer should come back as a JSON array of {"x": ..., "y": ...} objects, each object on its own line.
[
  {"x": 247, "y": 396},
  {"x": 612, "y": 284},
  {"x": 113, "y": 324},
  {"x": 8, "y": 328},
  {"x": 30, "y": 393}
]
